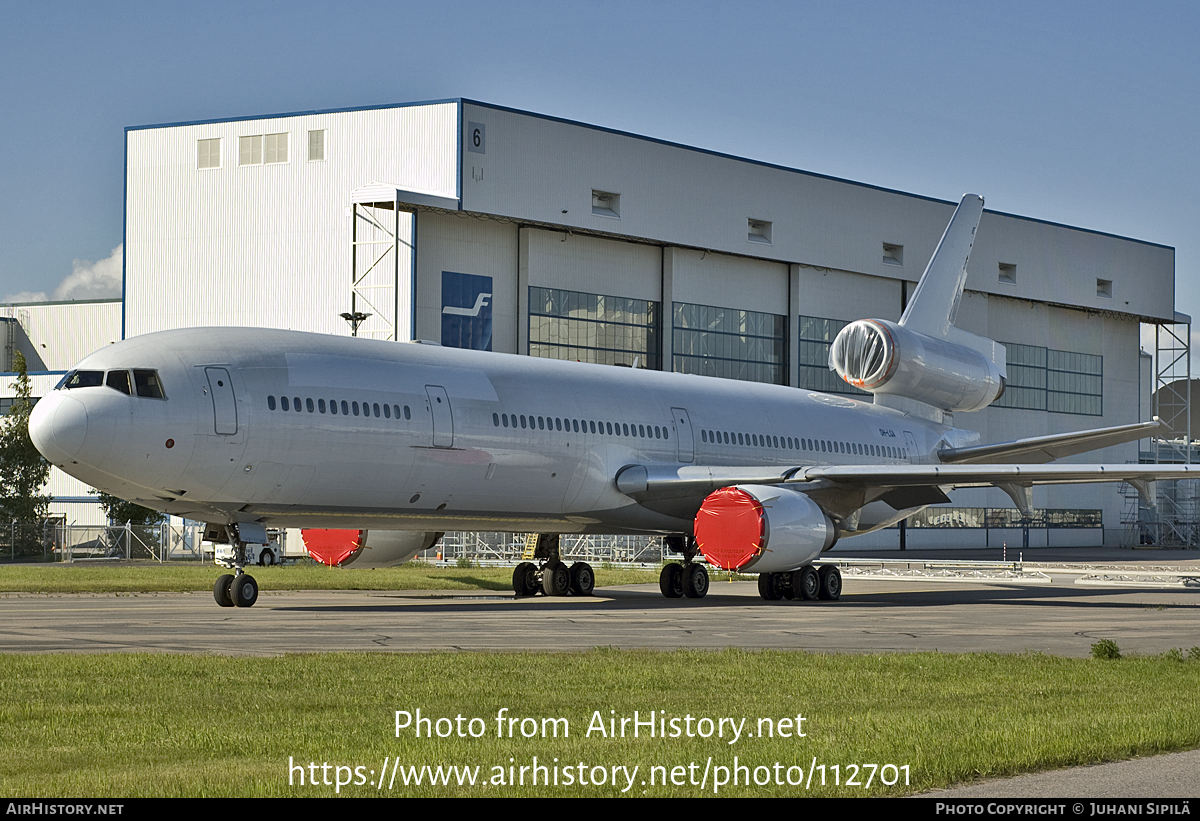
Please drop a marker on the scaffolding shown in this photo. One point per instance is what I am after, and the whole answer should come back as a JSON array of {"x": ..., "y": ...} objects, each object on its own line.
[
  {"x": 1174, "y": 521},
  {"x": 510, "y": 547}
]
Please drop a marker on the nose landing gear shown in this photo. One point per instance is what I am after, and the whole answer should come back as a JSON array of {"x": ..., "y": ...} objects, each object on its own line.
[{"x": 237, "y": 589}]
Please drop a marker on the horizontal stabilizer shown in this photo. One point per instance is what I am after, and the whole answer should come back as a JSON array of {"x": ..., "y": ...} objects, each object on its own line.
[{"x": 1038, "y": 450}]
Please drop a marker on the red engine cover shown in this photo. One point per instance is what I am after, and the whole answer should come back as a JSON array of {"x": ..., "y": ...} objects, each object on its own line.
[
  {"x": 729, "y": 528},
  {"x": 332, "y": 547}
]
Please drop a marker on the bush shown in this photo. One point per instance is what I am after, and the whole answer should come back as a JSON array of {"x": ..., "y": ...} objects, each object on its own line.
[{"x": 1105, "y": 649}]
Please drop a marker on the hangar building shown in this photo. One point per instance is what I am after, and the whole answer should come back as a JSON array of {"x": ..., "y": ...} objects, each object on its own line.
[{"x": 475, "y": 225}]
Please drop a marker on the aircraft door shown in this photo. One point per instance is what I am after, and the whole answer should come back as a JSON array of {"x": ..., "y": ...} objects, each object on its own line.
[
  {"x": 683, "y": 435},
  {"x": 914, "y": 456},
  {"x": 220, "y": 386},
  {"x": 443, "y": 419}
]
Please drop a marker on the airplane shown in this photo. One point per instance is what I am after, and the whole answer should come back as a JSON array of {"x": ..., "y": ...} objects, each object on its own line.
[{"x": 246, "y": 429}]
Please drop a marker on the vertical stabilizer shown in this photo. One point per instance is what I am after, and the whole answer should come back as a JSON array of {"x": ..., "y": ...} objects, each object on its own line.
[{"x": 934, "y": 304}]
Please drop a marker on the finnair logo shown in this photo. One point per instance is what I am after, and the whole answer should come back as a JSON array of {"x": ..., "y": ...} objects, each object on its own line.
[{"x": 480, "y": 302}]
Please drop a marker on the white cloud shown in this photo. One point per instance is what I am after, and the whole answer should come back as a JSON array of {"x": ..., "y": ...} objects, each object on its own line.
[
  {"x": 26, "y": 296},
  {"x": 87, "y": 280},
  {"x": 93, "y": 280}
]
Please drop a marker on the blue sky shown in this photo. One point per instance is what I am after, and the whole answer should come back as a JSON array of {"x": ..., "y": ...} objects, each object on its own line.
[{"x": 1081, "y": 113}]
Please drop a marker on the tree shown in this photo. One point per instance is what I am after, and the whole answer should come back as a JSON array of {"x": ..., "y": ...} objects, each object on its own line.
[{"x": 23, "y": 471}]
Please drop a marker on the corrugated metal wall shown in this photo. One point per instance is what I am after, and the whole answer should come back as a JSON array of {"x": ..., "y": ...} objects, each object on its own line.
[{"x": 266, "y": 244}]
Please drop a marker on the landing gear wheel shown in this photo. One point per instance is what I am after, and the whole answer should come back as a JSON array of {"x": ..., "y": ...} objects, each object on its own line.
[
  {"x": 766, "y": 587},
  {"x": 525, "y": 582},
  {"x": 790, "y": 585},
  {"x": 695, "y": 581},
  {"x": 221, "y": 590},
  {"x": 831, "y": 583},
  {"x": 244, "y": 591},
  {"x": 556, "y": 579},
  {"x": 266, "y": 558},
  {"x": 583, "y": 580},
  {"x": 670, "y": 580},
  {"x": 810, "y": 583}
]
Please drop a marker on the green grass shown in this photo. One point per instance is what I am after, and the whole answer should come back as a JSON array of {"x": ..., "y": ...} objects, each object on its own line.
[
  {"x": 181, "y": 577},
  {"x": 131, "y": 725}
]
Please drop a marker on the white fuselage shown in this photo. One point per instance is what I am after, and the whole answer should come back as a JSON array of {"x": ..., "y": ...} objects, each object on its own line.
[{"x": 468, "y": 441}]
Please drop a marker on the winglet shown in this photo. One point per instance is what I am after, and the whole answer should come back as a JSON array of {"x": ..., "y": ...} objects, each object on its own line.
[{"x": 934, "y": 304}]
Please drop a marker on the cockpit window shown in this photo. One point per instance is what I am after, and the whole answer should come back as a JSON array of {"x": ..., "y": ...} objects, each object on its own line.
[
  {"x": 118, "y": 380},
  {"x": 82, "y": 379},
  {"x": 148, "y": 384}
]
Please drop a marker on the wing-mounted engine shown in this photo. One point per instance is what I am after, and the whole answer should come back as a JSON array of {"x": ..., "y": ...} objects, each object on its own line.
[
  {"x": 887, "y": 358},
  {"x": 764, "y": 528},
  {"x": 366, "y": 548}
]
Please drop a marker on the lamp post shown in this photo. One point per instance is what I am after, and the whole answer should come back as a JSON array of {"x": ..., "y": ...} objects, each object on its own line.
[{"x": 355, "y": 319}]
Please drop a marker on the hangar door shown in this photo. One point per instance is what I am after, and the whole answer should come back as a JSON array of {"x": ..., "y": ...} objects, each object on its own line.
[{"x": 591, "y": 299}]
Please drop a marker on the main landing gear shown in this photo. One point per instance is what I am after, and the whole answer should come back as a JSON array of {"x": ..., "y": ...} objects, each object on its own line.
[
  {"x": 808, "y": 583},
  {"x": 688, "y": 579},
  {"x": 552, "y": 577}
]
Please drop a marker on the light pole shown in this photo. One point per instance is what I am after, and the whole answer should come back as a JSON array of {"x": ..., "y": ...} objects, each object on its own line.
[{"x": 355, "y": 319}]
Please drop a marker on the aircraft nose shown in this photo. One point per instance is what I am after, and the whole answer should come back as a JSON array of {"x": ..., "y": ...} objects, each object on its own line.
[{"x": 58, "y": 427}]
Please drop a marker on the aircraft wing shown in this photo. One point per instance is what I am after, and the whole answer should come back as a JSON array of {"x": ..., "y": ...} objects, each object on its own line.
[
  {"x": 842, "y": 489},
  {"x": 650, "y": 481},
  {"x": 1038, "y": 450}
]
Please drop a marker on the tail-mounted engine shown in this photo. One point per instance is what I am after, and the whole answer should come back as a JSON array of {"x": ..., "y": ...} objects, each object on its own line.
[
  {"x": 765, "y": 528},
  {"x": 883, "y": 357}
]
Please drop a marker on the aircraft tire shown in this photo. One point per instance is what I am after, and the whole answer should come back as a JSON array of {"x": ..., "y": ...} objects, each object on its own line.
[
  {"x": 525, "y": 581},
  {"x": 670, "y": 580},
  {"x": 556, "y": 579},
  {"x": 583, "y": 580},
  {"x": 244, "y": 590},
  {"x": 793, "y": 585},
  {"x": 766, "y": 587},
  {"x": 810, "y": 583},
  {"x": 221, "y": 590},
  {"x": 695, "y": 581},
  {"x": 831, "y": 583}
]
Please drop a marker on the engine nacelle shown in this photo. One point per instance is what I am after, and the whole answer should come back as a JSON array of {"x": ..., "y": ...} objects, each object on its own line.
[
  {"x": 366, "y": 548},
  {"x": 764, "y": 528},
  {"x": 883, "y": 357}
]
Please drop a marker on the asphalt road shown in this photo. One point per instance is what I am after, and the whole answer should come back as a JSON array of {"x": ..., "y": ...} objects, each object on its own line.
[{"x": 873, "y": 616}]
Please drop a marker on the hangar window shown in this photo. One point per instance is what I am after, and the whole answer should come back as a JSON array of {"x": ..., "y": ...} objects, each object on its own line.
[
  {"x": 758, "y": 231},
  {"x": 208, "y": 153},
  {"x": 1055, "y": 381},
  {"x": 1104, "y": 288},
  {"x": 893, "y": 254},
  {"x": 1008, "y": 273},
  {"x": 606, "y": 204},
  {"x": 730, "y": 343},
  {"x": 607, "y": 330},
  {"x": 816, "y": 337},
  {"x": 262, "y": 149},
  {"x": 316, "y": 146}
]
